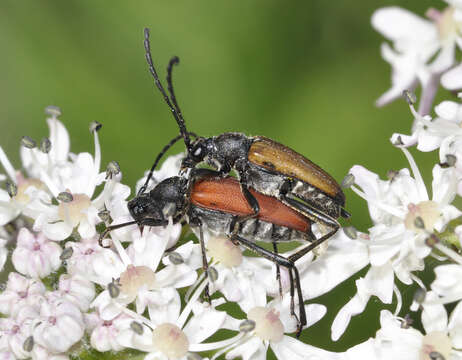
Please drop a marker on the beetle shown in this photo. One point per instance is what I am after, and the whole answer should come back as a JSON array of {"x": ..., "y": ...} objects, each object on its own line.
[
  {"x": 209, "y": 201},
  {"x": 261, "y": 164}
]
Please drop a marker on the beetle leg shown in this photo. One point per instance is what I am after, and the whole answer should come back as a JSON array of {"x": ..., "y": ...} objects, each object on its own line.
[
  {"x": 293, "y": 272},
  {"x": 278, "y": 270},
  {"x": 205, "y": 265}
]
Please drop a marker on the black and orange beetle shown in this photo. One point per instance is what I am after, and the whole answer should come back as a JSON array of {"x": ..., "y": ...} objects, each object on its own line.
[
  {"x": 209, "y": 201},
  {"x": 261, "y": 164}
]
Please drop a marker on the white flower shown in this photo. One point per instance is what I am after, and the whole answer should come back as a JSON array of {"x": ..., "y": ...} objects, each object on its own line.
[
  {"x": 35, "y": 255},
  {"x": 105, "y": 334},
  {"x": 443, "y": 335},
  {"x": 15, "y": 331},
  {"x": 428, "y": 133},
  {"x": 343, "y": 258},
  {"x": 77, "y": 289},
  {"x": 59, "y": 325},
  {"x": 403, "y": 218},
  {"x": 270, "y": 322},
  {"x": 20, "y": 291},
  {"x": 447, "y": 284},
  {"x": 138, "y": 278},
  {"x": 84, "y": 255},
  {"x": 415, "y": 42},
  {"x": 179, "y": 333}
]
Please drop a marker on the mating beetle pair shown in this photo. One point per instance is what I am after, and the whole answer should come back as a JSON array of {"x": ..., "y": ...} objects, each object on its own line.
[{"x": 278, "y": 196}]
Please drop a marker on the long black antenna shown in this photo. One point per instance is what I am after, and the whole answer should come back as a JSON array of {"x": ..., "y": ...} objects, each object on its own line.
[
  {"x": 173, "y": 61},
  {"x": 159, "y": 156},
  {"x": 176, "y": 114}
]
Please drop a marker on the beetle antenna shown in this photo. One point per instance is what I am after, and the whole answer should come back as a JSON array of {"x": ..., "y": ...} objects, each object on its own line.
[
  {"x": 113, "y": 227},
  {"x": 173, "y": 61},
  {"x": 159, "y": 156},
  {"x": 152, "y": 69}
]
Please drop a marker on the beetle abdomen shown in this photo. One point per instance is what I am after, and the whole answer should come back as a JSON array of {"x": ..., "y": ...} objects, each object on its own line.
[
  {"x": 278, "y": 158},
  {"x": 219, "y": 222},
  {"x": 224, "y": 194}
]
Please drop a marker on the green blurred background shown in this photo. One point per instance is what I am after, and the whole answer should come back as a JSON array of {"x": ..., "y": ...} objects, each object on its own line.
[{"x": 305, "y": 73}]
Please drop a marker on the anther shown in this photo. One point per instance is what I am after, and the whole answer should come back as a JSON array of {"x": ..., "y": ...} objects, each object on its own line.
[
  {"x": 410, "y": 97},
  {"x": 175, "y": 258},
  {"x": 351, "y": 232},
  {"x": 398, "y": 141},
  {"x": 28, "y": 344},
  {"x": 113, "y": 289},
  {"x": 65, "y": 197},
  {"x": 435, "y": 355},
  {"x": 419, "y": 295},
  {"x": 193, "y": 356},
  {"x": 28, "y": 142},
  {"x": 407, "y": 322},
  {"x": 212, "y": 274},
  {"x": 419, "y": 223},
  {"x": 432, "y": 240},
  {"x": 391, "y": 174},
  {"x": 247, "y": 326},
  {"x": 348, "y": 181},
  {"x": 66, "y": 254},
  {"x": 45, "y": 145},
  {"x": 105, "y": 215},
  {"x": 136, "y": 327},
  {"x": 112, "y": 169},
  {"x": 53, "y": 111},
  {"x": 95, "y": 126},
  {"x": 11, "y": 188},
  {"x": 451, "y": 160}
]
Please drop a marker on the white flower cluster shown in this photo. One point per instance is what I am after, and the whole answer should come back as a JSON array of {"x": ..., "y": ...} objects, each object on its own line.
[
  {"x": 66, "y": 296},
  {"x": 423, "y": 51}
]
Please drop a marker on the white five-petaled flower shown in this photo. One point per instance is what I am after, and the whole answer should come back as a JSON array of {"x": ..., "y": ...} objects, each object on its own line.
[
  {"x": 267, "y": 327},
  {"x": 135, "y": 269},
  {"x": 415, "y": 43},
  {"x": 35, "y": 255},
  {"x": 177, "y": 334},
  {"x": 20, "y": 291},
  {"x": 403, "y": 217},
  {"x": 59, "y": 324},
  {"x": 442, "y": 339}
]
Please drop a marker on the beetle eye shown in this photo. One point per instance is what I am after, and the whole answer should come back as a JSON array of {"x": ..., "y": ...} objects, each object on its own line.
[{"x": 198, "y": 152}]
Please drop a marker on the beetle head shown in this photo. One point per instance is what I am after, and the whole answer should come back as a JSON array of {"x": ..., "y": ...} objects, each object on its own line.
[{"x": 166, "y": 200}]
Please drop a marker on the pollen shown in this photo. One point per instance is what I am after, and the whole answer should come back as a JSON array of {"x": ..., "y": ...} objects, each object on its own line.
[
  {"x": 435, "y": 345},
  {"x": 73, "y": 212},
  {"x": 268, "y": 326},
  {"x": 170, "y": 340},
  {"x": 135, "y": 277},
  {"x": 223, "y": 250},
  {"x": 422, "y": 217}
]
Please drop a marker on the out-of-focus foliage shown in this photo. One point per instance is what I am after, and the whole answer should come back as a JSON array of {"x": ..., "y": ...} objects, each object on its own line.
[{"x": 305, "y": 73}]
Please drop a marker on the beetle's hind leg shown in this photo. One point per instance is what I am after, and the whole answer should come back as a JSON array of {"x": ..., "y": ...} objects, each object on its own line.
[
  {"x": 205, "y": 265},
  {"x": 278, "y": 269},
  {"x": 293, "y": 273}
]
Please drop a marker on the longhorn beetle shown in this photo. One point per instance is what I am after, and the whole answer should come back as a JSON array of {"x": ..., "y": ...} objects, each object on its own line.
[
  {"x": 207, "y": 200},
  {"x": 262, "y": 164}
]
